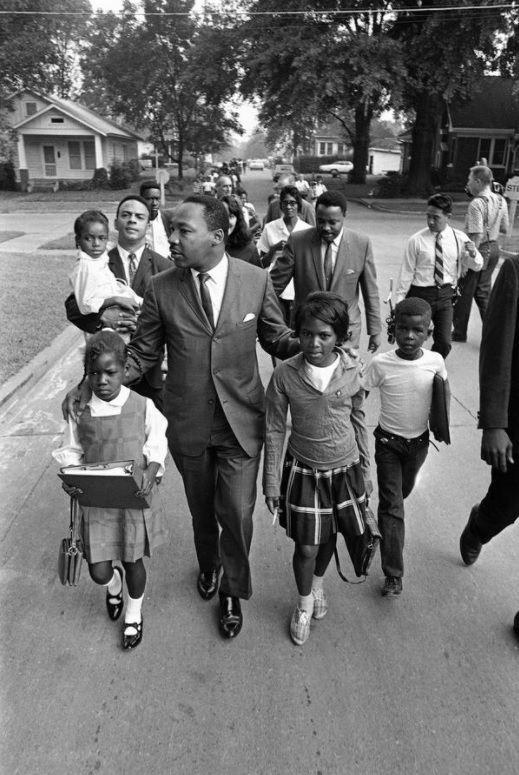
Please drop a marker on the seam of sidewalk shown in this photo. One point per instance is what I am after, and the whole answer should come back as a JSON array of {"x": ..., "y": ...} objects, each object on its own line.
[{"x": 20, "y": 383}]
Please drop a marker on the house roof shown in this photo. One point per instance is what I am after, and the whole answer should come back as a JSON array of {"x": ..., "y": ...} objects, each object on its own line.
[
  {"x": 493, "y": 106},
  {"x": 86, "y": 116}
]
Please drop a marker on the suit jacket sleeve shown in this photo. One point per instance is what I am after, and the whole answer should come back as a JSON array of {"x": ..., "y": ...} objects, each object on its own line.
[
  {"x": 86, "y": 323},
  {"x": 273, "y": 335},
  {"x": 284, "y": 268},
  {"x": 148, "y": 341},
  {"x": 369, "y": 288},
  {"x": 498, "y": 347}
]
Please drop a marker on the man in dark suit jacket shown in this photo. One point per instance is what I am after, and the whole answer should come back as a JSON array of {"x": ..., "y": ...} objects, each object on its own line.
[
  {"x": 131, "y": 222},
  {"x": 333, "y": 258},
  {"x": 213, "y": 394},
  {"x": 498, "y": 415}
]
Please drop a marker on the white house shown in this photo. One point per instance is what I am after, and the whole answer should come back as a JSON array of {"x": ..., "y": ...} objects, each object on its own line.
[
  {"x": 382, "y": 160},
  {"x": 60, "y": 140}
]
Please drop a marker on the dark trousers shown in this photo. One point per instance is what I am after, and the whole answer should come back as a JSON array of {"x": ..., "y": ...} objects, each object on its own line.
[
  {"x": 477, "y": 286},
  {"x": 500, "y": 506},
  {"x": 220, "y": 486},
  {"x": 398, "y": 462},
  {"x": 440, "y": 300}
]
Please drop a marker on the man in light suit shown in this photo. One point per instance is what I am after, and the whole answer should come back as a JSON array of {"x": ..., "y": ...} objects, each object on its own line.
[
  {"x": 208, "y": 310},
  {"x": 333, "y": 258},
  {"x": 131, "y": 222}
]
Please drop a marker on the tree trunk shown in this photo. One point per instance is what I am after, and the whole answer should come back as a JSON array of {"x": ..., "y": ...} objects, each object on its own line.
[
  {"x": 428, "y": 109},
  {"x": 363, "y": 116}
]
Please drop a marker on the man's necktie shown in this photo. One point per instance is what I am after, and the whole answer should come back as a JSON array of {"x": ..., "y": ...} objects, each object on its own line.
[
  {"x": 206, "y": 297},
  {"x": 328, "y": 267},
  {"x": 133, "y": 266},
  {"x": 438, "y": 261}
]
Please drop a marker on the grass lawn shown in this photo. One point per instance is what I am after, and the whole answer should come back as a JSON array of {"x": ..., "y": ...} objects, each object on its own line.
[
  {"x": 68, "y": 242},
  {"x": 32, "y": 312}
]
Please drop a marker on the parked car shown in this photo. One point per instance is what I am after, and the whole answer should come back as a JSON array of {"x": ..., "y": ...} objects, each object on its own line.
[
  {"x": 282, "y": 169},
  {"x": 336, "y": 167},
  {"x": 256, "y": 164}
]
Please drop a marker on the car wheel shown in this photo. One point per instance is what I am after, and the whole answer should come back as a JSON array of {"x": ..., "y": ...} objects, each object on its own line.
[{"x": 334, "y": 173}]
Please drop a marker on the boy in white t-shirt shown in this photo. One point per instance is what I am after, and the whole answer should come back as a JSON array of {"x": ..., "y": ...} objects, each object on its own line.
[{"x": 404, "y": 377}]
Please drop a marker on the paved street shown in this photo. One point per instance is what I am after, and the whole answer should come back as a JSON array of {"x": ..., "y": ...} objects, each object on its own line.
[{"x": 424, "y": 685}]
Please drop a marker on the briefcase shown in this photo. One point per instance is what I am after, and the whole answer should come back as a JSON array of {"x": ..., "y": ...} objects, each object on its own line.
[
  {"x": 361, "y": 548},
  {"x": 440, "y": 408},
  {"x": 70, "y": 553}
]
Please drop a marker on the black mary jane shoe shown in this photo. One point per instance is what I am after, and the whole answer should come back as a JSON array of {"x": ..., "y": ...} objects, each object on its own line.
[
  {"x": 207, "y": 584},
  {"x": 132, "y": 640},
  {"x": 114, "y": 603},
  {"x": 231, "y": 618}
]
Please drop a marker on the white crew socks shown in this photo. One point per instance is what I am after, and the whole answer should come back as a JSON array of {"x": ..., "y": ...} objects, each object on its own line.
[
  {"x": 133, "y": 613},
  {"x": 306, "y": 603},
  {"x": 317, "y": 583},
  {"x": 114, "y": 585}
]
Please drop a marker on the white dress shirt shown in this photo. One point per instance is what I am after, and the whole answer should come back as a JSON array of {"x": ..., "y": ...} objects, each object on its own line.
[
  {"x": 157, "y": 237},
  {"x": 215, "y": 285},
  {"x": 273, "y": 232},
  {"x": 419, "y": 259}
]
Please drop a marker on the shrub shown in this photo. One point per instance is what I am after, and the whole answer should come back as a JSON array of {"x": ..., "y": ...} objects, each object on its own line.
[
  {"x": 390, "y": 186},
  {"x": 7, "y": 176},
  {"x": 119, "y": 176},
  {"x": 133, "y": 168},
  {"x": 100, "y": 179}
]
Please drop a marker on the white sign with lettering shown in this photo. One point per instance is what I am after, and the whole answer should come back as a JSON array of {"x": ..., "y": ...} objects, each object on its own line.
[{"x": 512, "y": 188}]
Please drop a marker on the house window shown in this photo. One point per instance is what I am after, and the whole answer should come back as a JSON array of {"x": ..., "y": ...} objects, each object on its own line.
[
  {"x": 322, "y": 149},
  {"x": 329, "y": 149},
  {"x": 341, "y": 148},
  {"x": 125, "y": 153},
  {"x": 56, "y": 120},
  {"x": 90, "y": 156},
  {"x": 30, "y": 108},
  {"x": 493, "y": 149},
  {"x": 499, "y": 153},
  {"x": 484, "y": 149},
  {"x": 74, "y": 154}
]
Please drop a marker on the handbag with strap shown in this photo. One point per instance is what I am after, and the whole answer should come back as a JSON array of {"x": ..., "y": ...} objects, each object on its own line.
[
  {"x": 70, "y": 554},
  {"x": 361, "y": 548}
]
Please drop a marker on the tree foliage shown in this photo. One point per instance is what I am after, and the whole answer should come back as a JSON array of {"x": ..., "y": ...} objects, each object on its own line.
[{"x": 162, "y": 73}]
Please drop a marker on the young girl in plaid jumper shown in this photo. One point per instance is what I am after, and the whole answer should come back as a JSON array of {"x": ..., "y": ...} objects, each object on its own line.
[
  {"x": 118, "y": 424},
  {"x": 326, "y": 467}
]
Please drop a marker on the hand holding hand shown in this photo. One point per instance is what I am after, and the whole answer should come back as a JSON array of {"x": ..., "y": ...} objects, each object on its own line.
[{"x": 124, "y": 321}]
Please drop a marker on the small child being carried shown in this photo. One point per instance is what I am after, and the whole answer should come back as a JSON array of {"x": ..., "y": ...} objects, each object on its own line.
[
  {"x": 404, "y": 377},
  {"x": 93, "y": 282}
]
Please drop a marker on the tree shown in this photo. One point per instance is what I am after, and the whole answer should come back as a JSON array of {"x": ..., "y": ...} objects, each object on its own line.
[
  {"x": 155, "y": 73},
  {"x": 336, "y": 60},
  {"x": 446, "y": 54}
]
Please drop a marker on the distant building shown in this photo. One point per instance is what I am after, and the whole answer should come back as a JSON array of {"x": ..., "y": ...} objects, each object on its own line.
[
  {"x": 486, "y": 126},
  {"x": 61, "y": 140}
]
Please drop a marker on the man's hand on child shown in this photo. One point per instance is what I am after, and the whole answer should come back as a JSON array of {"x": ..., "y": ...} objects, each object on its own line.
[
  {"x": 75, "y": 401},
  {"x": 374, "y": 343}
]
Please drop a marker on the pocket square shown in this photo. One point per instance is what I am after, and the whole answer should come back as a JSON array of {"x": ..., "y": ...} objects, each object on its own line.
[{"x": 249, "y": 316}]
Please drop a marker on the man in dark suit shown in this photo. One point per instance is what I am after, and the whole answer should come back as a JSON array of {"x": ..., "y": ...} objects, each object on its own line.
[
  {"x": 159, "y": 225},
  {"x": 131, "y": 222},
  {"x": 498, "y": 415},
  {"x": 209, "y": 310},
  {"x": 333, "y": 258}
]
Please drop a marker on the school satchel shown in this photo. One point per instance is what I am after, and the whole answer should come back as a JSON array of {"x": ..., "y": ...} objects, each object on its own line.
[
  {"x": 70, "y": 554},
  {"x": 440, "y": 410},
  {"x": 361, "y": 549}
]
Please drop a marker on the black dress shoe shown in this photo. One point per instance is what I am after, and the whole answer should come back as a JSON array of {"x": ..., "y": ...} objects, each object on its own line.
[
  {"x": 114, "y": 603},
  {"x": 231, "y": 618},
  {"x": 207, "y": 584},
  {"x": 470, "y": 545},
  {"x": 132, "y": 634}
]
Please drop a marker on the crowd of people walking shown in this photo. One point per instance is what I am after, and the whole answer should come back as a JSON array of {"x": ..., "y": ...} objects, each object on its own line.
[{"x": 172, "y": 317}]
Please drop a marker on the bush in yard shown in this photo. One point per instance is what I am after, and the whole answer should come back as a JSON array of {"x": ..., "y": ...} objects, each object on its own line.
[
  {"x": 133, "y": 168},
  {"x": 7, "y": 176},
  {"x": 100, "y": 179},
  {"x": 391, "y": 186},
  {"x": 119, "y": 176}
]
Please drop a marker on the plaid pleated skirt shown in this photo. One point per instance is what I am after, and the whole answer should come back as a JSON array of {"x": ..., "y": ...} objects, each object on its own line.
[{"x": 312, "y": 500}]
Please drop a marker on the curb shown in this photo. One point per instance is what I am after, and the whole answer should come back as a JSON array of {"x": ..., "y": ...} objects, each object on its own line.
[{"x": 19, "y": 384}]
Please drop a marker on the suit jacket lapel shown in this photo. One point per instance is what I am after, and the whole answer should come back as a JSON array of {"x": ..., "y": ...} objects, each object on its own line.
[
  {"x": 341, "y": 261},
  {"x": 232, "y": 291},
  {"x": 188, "y": 291},
  {"x": 142, "y": 273},
  {"x": 115, "y": 264}
]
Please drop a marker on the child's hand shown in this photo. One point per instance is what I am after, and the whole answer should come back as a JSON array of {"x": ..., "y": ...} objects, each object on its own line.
[
  {"x": 74, "y": 492},
  {"x": 368, "y": 487},
  {"x": 148, "y": 480}
]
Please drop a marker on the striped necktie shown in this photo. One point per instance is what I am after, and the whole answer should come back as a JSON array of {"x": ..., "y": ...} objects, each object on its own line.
[
  {"x": 133, "y": 267},
  {"x": 438, "y": 261},
  {"x": 327, "y": 266}
]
